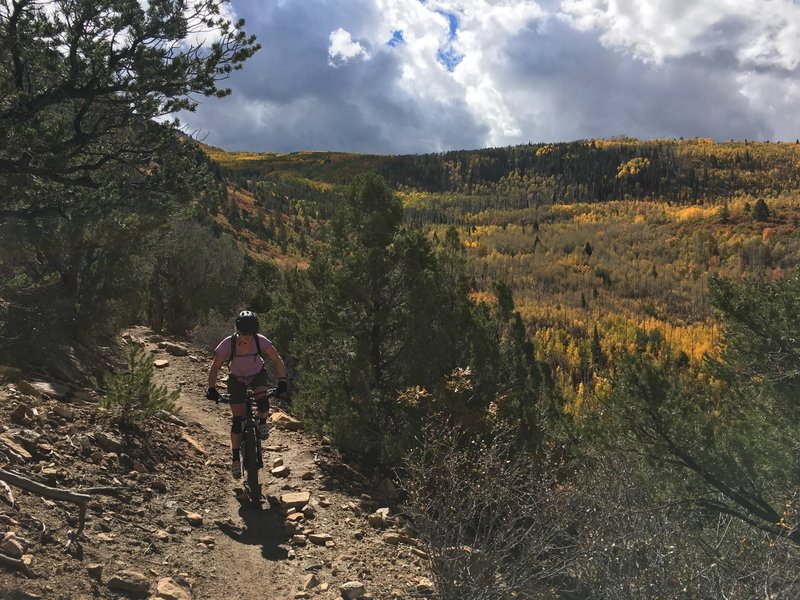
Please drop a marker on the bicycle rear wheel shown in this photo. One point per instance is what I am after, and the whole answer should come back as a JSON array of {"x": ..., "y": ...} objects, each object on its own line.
[{"x": 251, "y": 465}]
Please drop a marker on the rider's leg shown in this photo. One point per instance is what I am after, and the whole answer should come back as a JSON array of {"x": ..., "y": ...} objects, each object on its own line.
[
  {"x": 262, "y": 410},
  {"x": 238, "y": 392},
  {"x": 262, "y": 402},
  {"x": 237, "y": 420},
  {"x": 259, "y": 385},
  {"x": 237, "y": 411}
]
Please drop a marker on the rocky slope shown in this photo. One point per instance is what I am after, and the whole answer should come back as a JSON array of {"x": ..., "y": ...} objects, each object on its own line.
[{"x": 164, "y": 518}]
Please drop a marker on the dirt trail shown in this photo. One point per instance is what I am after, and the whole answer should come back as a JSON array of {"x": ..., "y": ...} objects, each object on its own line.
[
  {"x": 247, "y": 559},
  {"x": 251, "y": 545},
  {"x": 165, "y": 506},
  {"x": 258, "y": 553}
]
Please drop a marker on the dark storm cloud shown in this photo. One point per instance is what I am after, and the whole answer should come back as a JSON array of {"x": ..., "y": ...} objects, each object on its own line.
[
  {"x": 600, "y": 92},
  {"x": 288, "y": 97}
]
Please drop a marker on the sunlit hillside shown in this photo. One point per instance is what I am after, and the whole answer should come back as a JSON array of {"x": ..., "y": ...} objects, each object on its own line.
[
  {"x": 629, "y": 270},
  {"x": 333, "y": 167},
  {"x": 637, "y": 271}
]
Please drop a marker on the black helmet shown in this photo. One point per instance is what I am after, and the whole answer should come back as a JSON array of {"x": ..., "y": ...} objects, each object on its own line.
[{"x": 247, "y": 323}]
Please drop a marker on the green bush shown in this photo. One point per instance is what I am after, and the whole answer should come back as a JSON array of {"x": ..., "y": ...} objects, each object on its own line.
[
  {"x": 131, "y": 394},
  {"x": 193, "y": 274}
]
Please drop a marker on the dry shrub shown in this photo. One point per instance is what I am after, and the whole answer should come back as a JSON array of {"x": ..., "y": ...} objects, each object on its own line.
[
  {"x": 637, "y": 537},
  {"x": 499, "y": 524},
  {"x": 213, "y": 329},
  {"x": 484, "y": 512}
]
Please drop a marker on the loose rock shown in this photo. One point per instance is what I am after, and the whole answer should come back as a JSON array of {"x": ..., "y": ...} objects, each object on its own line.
[
  {"x": 12, "y": 546},
  {"x": 175, "y": 349},
  {"x": 352, "y": 590},
  {"x": 310, "y": 582},
  {"x": 169, "y": 589},
  {"x": 320, "y": 539},
  {"x": 280, "y": 472},
  {"x": 64, "y": 411},
  {"x": 379, "y": 519},
  {"x": 95, "y": 570},
  {"x": 283, "y": 421},
  {"x": 295, "y": 499},
  {"x": 129, "y": 581},
  {"x": 108, "y": 442}
]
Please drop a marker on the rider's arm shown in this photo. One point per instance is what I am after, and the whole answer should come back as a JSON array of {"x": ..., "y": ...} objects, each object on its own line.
[
  {"x": 212, "y": 372},
  {"x": 280, "y": 368}
]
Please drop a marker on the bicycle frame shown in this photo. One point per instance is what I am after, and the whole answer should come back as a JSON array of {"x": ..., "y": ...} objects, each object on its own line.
[
  {"x": 252, "y": 457},
  {"x": 250, "y": 447}
]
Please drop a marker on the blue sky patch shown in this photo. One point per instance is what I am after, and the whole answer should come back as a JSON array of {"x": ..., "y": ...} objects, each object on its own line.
[
  {"x": 397, "y": 39},
  {"x": 453, "y": 20},
  {"x": 447, "y": 55},
  {"x": 449, "y": 58}
]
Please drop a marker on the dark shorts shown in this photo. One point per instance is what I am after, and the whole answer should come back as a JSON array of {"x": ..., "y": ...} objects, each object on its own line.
[{"x": 238, "y": 389}]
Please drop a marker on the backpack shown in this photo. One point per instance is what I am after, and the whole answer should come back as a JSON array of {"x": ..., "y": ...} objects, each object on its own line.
[{"x": 234, "y": 339}]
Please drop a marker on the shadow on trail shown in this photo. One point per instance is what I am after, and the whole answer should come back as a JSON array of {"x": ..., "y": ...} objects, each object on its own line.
[{"x": 263, "y": 526}]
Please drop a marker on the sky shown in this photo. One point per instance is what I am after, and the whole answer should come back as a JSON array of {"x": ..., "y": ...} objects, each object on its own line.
[{"x": 419, "y": 76}]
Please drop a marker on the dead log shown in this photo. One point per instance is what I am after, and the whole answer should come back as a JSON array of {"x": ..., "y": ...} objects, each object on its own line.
[
  {"x": 14, "y": 563},
  {"x": 54, "y": 493},
  {"x": 106, "y": 490}
]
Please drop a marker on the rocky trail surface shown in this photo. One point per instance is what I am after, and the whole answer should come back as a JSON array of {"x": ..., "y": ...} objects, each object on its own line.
[{"x": 165, "y": 520}]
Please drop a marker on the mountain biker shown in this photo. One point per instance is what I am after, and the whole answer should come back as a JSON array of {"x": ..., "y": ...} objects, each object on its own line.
[{"x": 246, "y": 368}]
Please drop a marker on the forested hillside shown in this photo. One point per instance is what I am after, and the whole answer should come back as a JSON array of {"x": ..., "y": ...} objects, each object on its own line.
[
  {"x": 605, "y": 245},
  {"x": 681, "y": 171}
]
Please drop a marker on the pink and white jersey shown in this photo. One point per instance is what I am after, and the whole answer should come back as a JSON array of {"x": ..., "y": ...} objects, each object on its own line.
[{"x": 247, "y": 363}]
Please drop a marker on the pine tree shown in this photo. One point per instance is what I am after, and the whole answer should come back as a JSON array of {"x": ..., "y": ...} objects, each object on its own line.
[
  {"x": 747, "y": 423},
  {"x": 760, "y": 210},
  {"x": 85, "y": 80},
  {"x": 131, "y": 395},
  {"x": 724, "y": 216},
  {"x": 597, "y": 352}
]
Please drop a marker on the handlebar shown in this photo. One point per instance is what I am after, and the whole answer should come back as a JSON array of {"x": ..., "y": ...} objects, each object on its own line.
[{"x": 280, "y": 402}]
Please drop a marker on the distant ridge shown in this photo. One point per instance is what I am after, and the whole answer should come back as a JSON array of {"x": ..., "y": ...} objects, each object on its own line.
[{"x": 684, "y": 171}]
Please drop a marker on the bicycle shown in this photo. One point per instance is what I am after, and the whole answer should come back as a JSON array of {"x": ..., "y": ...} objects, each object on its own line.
[{"x": 250, "y": 448}]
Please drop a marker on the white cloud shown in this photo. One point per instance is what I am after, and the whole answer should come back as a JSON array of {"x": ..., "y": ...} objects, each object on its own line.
[
  {"x": 483, "y": 28},
  {"x": 757, "y": 42},
  {"x": 486, "y": 28},
  {"x": 759, "y": 33},
  {"x": 342, "y": 48}
]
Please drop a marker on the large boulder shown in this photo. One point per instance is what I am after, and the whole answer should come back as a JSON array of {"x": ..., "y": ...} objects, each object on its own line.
[
  {"x": 174, "y": 349},
  {"x": 283, "y": 421},
  {"x": 38, "y": 387}
]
